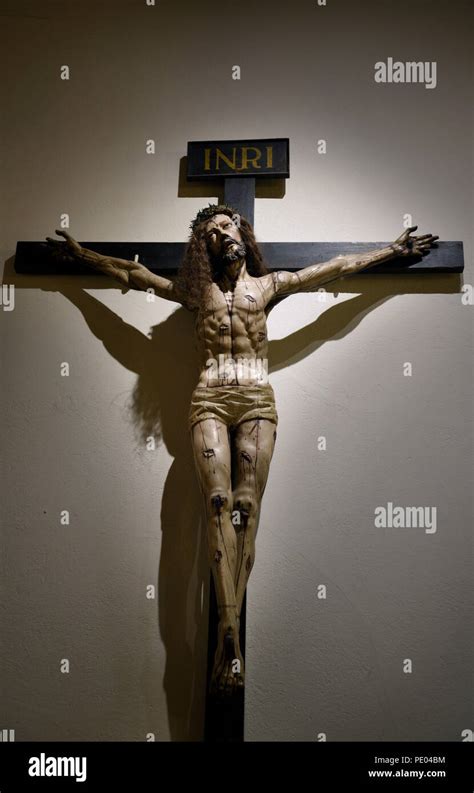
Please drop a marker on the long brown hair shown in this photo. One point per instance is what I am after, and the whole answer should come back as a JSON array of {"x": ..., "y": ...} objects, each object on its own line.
[{"x": 196, "y": 273}]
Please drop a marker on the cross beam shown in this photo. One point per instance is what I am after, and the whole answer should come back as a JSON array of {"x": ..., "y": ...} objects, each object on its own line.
[{"x": 165, "y": 257}]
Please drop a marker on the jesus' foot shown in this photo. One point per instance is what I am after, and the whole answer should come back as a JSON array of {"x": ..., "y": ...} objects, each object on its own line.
[{"x": 228, "y": 672}]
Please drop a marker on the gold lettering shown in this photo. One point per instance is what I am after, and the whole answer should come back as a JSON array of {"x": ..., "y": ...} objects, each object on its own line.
[
  {"x": 246, "y": 159},
  {"x": 269, "y": 156},
  {"x": 222, "y": 156},
  {"x": 207, "y": 159}
]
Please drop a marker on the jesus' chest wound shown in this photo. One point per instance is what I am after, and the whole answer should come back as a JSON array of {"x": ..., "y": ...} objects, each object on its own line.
[{"x": 233, "y": 319}]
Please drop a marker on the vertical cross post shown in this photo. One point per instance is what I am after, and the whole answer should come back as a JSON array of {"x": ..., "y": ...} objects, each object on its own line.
[
  {"x": 239, "y": 192},
  {"x": 225, "y": 719}
]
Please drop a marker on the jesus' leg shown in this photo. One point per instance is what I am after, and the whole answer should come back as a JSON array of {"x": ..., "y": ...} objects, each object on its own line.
[
  {"x": 252, "y": 449},
  {"x": 213, "y": 463}
]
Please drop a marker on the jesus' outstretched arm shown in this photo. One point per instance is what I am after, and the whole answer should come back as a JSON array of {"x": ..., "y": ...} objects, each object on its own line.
[
  {"x": 314, "y": 276},
  {"x": 131, "y": 275}
]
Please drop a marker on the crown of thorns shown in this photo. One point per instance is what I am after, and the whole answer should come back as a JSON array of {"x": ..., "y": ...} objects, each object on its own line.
[{"x": 213, "y": 209}]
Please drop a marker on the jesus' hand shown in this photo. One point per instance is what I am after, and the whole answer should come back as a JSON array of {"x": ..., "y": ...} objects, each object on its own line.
[
  {"x": 407, "y": 245},
  {"x": 64, "y": 251}
]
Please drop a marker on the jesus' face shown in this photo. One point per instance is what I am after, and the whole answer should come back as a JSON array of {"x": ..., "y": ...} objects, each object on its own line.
[{"x": 224, "y": 240}]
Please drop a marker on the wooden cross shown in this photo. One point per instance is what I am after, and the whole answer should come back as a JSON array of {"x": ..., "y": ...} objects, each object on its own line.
[{"x": 238, "y": 164}]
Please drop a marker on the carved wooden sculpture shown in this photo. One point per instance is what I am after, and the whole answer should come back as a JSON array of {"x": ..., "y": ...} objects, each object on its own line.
[{"x": 232, "y": 417}]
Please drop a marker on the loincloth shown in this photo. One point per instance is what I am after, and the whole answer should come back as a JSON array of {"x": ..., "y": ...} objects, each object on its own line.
[{"x": 233, "y": 404}]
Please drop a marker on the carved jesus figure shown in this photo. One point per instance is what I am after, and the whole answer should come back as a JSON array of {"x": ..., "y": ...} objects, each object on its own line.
[{"x": 232, "y": 418}]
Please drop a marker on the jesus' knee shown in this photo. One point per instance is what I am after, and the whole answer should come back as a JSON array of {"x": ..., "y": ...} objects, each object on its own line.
[
  {"x": 219, "y": 503},
  {"x": 247, "y": 505}
]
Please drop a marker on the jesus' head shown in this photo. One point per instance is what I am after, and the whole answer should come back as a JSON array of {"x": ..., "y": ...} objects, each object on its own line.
[
  {"x": 224, "y": 243},
  {"x": 221, "y": 242}
]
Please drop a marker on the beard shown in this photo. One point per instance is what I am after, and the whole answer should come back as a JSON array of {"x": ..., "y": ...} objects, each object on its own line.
[
  {"x": 229, "y": 255},
  {"x": 234, "y": 252}
]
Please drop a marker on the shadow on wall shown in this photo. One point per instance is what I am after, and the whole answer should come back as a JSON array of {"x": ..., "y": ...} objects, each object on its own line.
[{"x": 166, "y": 367}]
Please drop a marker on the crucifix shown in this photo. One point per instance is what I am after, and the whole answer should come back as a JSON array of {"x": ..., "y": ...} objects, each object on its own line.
[{"x": 222, "y": 278}]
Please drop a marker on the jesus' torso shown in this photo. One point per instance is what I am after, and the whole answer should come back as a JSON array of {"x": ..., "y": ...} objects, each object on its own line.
[{"x": 231, "y": 329}]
